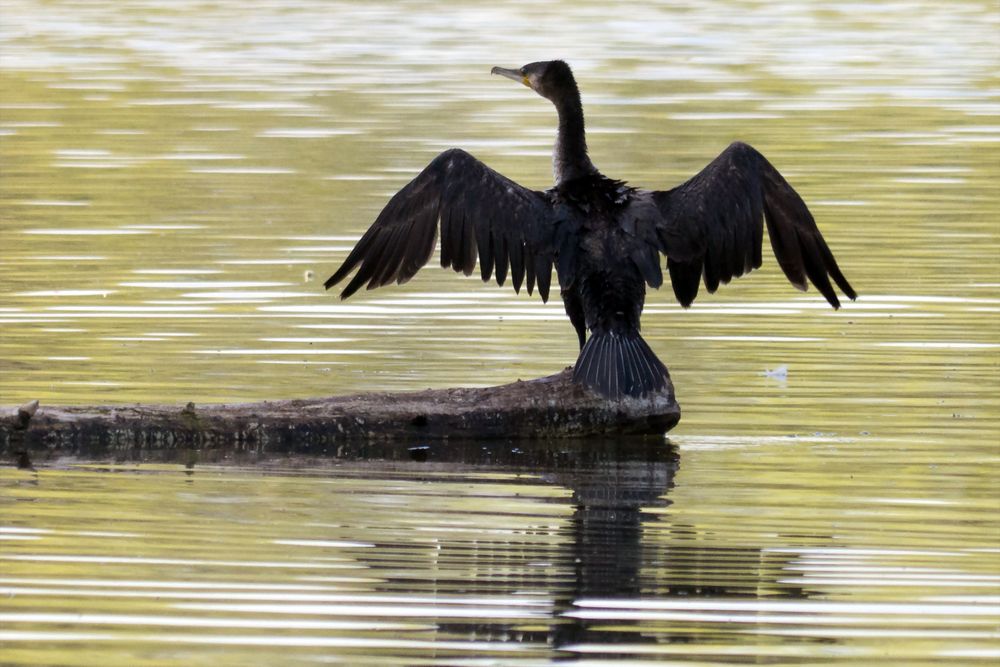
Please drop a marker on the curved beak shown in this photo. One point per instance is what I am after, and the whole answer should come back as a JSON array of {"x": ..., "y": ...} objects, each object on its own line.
[{"x": 513, "y": 74}]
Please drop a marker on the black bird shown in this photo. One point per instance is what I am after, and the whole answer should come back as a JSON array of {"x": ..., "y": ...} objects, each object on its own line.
[{"x": 603, "y": 236}]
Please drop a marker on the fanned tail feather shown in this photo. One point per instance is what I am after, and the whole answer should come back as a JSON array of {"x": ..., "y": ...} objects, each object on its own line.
[{"x": 619, "y": 364}]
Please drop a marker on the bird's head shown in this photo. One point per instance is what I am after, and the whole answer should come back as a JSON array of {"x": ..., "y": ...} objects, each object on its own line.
[{"x": 552, "y": 79}]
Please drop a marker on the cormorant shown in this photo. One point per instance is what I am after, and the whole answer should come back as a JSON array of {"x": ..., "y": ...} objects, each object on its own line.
[{"x": 603, "y": 236}]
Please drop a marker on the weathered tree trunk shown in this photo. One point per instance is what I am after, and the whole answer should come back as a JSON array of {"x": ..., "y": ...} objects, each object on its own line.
[{"x": 546, "y": 408}]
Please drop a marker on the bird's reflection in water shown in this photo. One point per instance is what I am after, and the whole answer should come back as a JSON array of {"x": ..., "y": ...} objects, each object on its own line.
[
  {"x": 610, "y": 496},
  {"x": 612, "y": 546},
  {"x": 575, "y": 571},
  {"x": 598, "y": 553}
]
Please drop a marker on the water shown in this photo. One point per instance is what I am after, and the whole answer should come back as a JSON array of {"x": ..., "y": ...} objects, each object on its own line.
[
  {"x": 176, "y": 180},
  {"x": 780, "y": 550}
]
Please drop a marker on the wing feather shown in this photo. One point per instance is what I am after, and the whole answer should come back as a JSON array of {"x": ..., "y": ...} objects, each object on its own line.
[
  {"x": 517, "y": 265},
  {"x": 713, "y": 225},
  {"x": 529, "y": 268},
  {"x": 481, "y": 214},
  {"x": 502, "y": 259},
  {"x": 469, "y": 246},
  {"x": 392, "y": 256},
  {"x": 484, "y": 243},
  {"x": 543, "y": 274}
]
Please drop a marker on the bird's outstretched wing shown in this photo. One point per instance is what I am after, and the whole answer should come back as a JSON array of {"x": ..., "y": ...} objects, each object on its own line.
[
  {"x": 482, "y": 214},
  {"x": 711, "y": 227}
]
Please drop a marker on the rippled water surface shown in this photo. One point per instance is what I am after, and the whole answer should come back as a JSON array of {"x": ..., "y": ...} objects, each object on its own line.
[{"x": 177, "y": 179}]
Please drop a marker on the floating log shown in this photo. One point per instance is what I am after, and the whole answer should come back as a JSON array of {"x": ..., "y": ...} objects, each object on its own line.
[{"x": 546, "y": 408}]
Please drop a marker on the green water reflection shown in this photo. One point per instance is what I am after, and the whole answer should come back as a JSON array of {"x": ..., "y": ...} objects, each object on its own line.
[
  {"x": 176, "y": 179},
  {"x": 710, "y": 551}
]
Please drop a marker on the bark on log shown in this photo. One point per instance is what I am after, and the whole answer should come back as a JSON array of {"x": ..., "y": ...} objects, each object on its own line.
[{"x": 546, "y": 408}]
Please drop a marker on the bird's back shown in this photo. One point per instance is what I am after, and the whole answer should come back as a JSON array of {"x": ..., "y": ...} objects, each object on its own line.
[
  {"x": 600, "y": 264},
  {"x": 596, "y": 247},
  {"x": 595, "y": 196}
]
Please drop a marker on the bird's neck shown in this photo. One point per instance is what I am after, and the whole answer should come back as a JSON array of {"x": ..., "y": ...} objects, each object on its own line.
[{"x": 569, "y": 159}]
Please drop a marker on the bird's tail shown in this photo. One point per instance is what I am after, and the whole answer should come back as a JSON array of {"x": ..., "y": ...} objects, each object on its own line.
[{"x": 617, "y": 364}]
